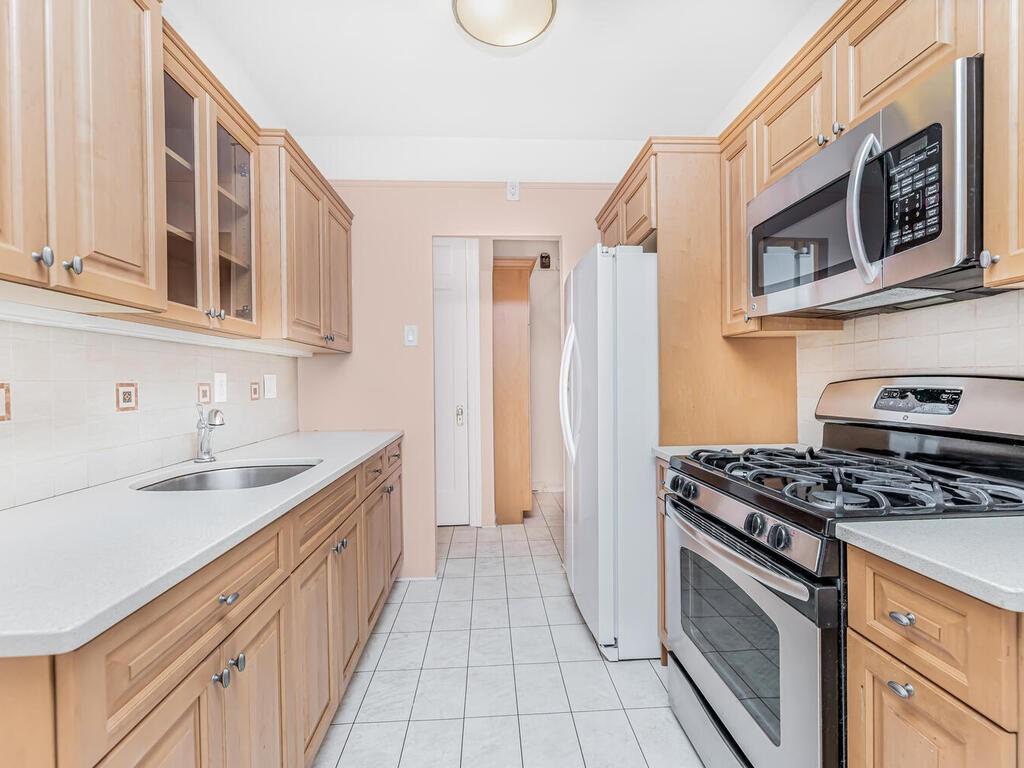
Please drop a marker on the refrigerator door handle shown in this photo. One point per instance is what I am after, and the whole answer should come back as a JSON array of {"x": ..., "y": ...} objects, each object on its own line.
[{"x": 563, "y": 392}]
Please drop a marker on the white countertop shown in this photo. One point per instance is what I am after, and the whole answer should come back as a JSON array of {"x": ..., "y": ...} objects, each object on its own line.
[
  {"x": 73, "y": 566},
  {"x": 980, "y": 556},
  {"x": 666, "y": 452}
]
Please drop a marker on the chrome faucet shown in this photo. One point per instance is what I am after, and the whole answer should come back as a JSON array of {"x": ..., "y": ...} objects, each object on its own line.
[{"x": 207, "y": 422}]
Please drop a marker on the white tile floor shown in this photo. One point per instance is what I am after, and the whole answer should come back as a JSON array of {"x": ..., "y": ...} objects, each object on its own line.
[{"x": 491, "y": 666}]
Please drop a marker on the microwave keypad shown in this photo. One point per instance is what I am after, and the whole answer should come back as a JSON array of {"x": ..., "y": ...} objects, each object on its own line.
[{"x": 915, "y": 197}]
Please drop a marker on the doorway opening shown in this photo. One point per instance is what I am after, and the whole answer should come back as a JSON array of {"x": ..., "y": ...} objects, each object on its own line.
[{"x": 497, "y": 345}]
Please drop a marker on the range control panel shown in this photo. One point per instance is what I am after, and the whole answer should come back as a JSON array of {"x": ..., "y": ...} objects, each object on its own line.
[
  {"x": 915, "y": 190},
  {"x": 936, "y": 401}
]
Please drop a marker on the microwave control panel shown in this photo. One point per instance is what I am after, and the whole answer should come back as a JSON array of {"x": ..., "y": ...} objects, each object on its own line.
[
  {"x": 915, "y": 190},
  {"x": 934, "y": 401}
]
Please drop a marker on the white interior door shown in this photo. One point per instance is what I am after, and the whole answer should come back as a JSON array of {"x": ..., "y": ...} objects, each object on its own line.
[{"x": 451, "y": 380}]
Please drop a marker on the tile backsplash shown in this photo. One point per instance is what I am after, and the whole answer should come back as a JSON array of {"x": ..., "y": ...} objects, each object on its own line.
[
  {"x": 979, "y": 336},
  {"x": 65, "y": 430}
]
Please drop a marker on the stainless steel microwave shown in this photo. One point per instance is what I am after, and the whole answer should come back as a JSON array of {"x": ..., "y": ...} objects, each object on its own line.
[{"x": 887, "y": 217}]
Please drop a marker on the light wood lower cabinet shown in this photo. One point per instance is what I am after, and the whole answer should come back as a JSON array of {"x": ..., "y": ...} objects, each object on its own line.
[
  {"x": 376, "y": 514},
  {"x": 897, "y": 718},
  {"x": 185, "y": 731},
  {"x": 244, "y": 663}
]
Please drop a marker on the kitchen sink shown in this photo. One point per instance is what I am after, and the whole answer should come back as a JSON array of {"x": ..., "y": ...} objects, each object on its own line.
[{"x": 229, "y": 478}]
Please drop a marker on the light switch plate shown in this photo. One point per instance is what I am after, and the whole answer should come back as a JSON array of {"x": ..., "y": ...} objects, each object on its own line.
[
  {"x": 220, "y": 387},
  {"x": 512, "y": 190},
  {"x": 412, "y": 335},
  {"x": 269, "y": 386}
]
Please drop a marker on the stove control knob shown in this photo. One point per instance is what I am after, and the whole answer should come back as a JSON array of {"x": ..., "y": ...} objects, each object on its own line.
[
  {"x": 754, "y": 524},
  {"x": 779, "y": 538},
  {"x": 689, "y": 490}
]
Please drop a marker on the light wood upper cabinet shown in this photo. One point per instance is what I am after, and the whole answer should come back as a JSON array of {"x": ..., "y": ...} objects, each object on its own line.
[
  {"x": 923, "y": 726},
  {"x": 258, "y": 705},
  {"x": 640, "y": 205},
  {"x": 737, "y": 191},
  {"x": 23, "y": 221},
  {"x": 797, "y": 122},
  {"x": 108, "y": 172},
  {"x": 306, "y": 249},
  {"x": 337, "y": 301},
  {"x": 895, "y": 42},
  {"x": 1003, "y": 174},
  {"x": 315, "y": 601},
  {"x": 611, "y": 231},
  {"x": 185, "y": 731}
]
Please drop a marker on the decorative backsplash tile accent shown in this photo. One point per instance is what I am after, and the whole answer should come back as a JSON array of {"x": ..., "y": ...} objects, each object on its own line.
[
  {"x": 254, "y": 391},
  {"x": 127, "y": 397},
  {"x": 983, "y": 336},
  {"x": 5, "y": 401},
  {"x": 204, "y": 394},
  {"x": 65, "y": 434}
]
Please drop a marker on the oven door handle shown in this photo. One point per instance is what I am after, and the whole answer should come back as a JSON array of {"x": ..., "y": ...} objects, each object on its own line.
[
  {"x": 765, "y": 576},
  {"x": 868, "y": 271}
]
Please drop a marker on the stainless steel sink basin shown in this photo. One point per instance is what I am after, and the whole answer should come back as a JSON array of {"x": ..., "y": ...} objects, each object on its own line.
[{"x": 229, "y": 478}]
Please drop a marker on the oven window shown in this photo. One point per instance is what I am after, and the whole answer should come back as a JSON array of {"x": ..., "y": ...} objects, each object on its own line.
[
  {"x": 808, "y": 241},
  {"x": 736, "y": 637}
]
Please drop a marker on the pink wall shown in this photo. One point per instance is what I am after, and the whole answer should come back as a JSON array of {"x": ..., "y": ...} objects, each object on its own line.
[{"x": 383, "y": 384}]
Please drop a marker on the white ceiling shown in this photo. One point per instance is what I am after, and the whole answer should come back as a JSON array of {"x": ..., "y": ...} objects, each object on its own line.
[{"x": 605, "y": 69}]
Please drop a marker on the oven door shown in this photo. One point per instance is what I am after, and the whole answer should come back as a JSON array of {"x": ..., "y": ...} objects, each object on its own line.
[{"x": 744, "y": 630}]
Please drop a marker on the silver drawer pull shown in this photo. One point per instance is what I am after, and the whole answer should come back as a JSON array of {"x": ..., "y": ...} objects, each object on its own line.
[
  {"x": 238, "y": 662},
  {"x": 903, "y": 619},
  {"x": 904, "y": 691},
  {"x": 376, "y": 472},
  {"x": 228, "y": 599},
  {"x": 396, "y": 456},
  {"x": 224, "y": 678}
]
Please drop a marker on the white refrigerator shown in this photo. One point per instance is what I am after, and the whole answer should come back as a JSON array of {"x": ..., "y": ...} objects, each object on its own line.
[{"x": 608, "y": 406}]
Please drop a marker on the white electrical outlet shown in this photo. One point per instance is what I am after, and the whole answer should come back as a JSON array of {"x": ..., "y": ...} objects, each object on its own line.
[
  {"x": 412, "y": 335},
  {"x": 220, "y": 387},
  {"x": 512, "y": 190},
  {"x": 269, "y": 386}
]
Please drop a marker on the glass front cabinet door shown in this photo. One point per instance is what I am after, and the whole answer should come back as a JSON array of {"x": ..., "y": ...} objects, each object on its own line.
[{"x": 211, "y": 248}]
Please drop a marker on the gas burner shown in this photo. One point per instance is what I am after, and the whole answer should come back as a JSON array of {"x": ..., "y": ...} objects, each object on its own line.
[{"x": 843, "y": 484}]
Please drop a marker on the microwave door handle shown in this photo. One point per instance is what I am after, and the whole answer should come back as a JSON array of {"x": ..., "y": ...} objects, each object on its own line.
[
  {"x": 759, "y": 573},
  {"x": 868, "y": 271}
]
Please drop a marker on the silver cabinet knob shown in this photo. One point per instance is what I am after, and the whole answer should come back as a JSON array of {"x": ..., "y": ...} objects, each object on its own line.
[
  {"x": 228, "y": 599},
  {"x": 76, "y": 265},
  {"x": 904, "y": 691},
  {"x": 238, "y": 662},
  {"x": 838, "y": 127},
  {"x": 222, "y": 315},
  {"x": 224, "y": 678},
  {"x": 986, "y": 259},
  {"x": 903, "y": 619},
  {"x": 396, "y": 456},
  {"x": 340, "y": 546},
  {"x": 44, "y": 257},
  {"x": 822, "y": 139}
]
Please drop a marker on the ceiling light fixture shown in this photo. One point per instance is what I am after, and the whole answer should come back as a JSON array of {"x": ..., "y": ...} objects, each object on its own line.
[{"x": 504, "y": 23}]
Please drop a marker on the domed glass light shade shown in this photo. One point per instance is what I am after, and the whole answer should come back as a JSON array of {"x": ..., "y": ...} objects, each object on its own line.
[{"x": 504, "y": 23}]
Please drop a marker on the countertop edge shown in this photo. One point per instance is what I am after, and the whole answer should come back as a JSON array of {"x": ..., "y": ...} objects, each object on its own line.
[
  {"x": 68, "y": 639},
  {"x": 999, "y": 595}
]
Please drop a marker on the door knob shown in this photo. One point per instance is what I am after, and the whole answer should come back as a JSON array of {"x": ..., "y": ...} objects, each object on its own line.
[
  {"x": 44, "y": 257},
  {"x": 76, "y": 265}
]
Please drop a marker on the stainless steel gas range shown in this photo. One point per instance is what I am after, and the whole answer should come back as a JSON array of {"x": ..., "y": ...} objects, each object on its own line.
[{"x": 754, "y": 576}]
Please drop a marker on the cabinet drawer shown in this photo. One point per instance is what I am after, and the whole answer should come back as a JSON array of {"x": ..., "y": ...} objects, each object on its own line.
[
  {"x": 639, "y": 207},
  {"x": 315, "y": 518},
  {"x": 964, "y": 645},
  {"x": 393, "y": 455},
  {"x": 108, "y": 685},
  {"x": 927, "y": 727},
  {"x": 372, "y": 472}
]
